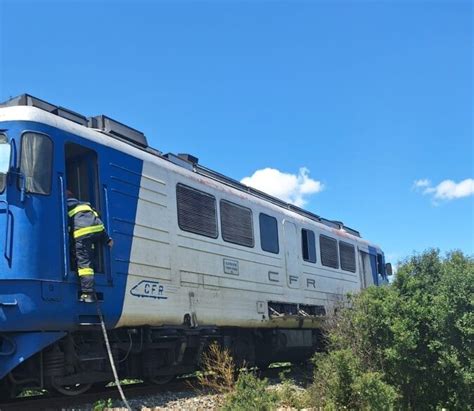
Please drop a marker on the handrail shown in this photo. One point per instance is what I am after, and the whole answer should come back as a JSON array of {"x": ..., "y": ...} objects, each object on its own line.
[
  {"x": 64, "y": 225},
  {"x": 7, "y": 248},
  {"x": 108, "y": 262}
]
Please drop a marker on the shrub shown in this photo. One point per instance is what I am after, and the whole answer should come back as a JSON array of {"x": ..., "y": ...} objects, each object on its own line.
[
  {"x": 370, "y": 392},
  {"x": 340, "y": 382},
  {"x": 218, "y": 370},
  {"x": 251, "y": 393},
  {"x": 219, "y": 375},
  {"x": 289, "y": 396},
  {"x": 102, "y": 405},
  {"x": 333, "y": 378},
  {"x": 414, "y": 338}
]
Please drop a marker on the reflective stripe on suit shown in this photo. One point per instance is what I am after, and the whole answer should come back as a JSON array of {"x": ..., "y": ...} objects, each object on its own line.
[{"x": 87, "y": 228}]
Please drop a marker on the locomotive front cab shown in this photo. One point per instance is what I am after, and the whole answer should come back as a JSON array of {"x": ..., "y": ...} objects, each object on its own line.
[
  {"x": 40, "y": 158},
  {"x": 373, "y": 268},
  {"x": 34, "y": 267},
  {"x": 38, "y": 164},
  {"x": 46, "y": 150}
]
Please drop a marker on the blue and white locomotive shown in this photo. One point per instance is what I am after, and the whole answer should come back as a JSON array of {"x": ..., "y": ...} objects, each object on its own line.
[{"x": 198, "y": 257}]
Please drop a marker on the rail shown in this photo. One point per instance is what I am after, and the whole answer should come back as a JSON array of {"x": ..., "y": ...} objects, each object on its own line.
[
  {"x": 64, "y": 225},
  {"x": 108, "y": 260}
]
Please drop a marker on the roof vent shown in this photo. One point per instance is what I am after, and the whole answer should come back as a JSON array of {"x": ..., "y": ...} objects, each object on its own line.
[
  {"x": 179, "y": 161},
  {"x": 116, "y": 129},
  {"x": 189, "y": 158},
  {"x": 28, "y": 100}
]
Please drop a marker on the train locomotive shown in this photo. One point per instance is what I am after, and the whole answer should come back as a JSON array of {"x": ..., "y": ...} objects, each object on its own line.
[{"x": 198, "y": 257}]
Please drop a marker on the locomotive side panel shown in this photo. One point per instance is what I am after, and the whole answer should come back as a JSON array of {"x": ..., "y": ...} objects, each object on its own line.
[
  {"x": 150, "y": 269},
  {"x": 177, "y": 276}
]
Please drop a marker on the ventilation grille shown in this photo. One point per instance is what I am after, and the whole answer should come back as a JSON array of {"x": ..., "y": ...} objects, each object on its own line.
[
  {"x": 348, "y": 261},
  {"x": 329, "y": 257},
  {"x": 196, "y": 211},
  {"x": 236, "y": 222}
]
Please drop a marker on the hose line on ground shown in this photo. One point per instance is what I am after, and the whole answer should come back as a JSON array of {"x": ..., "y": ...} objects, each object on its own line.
[{"x": 111, "y": 358}]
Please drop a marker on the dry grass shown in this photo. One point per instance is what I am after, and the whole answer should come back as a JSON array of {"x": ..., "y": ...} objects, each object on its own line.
[{"x": 218, "y": 370}]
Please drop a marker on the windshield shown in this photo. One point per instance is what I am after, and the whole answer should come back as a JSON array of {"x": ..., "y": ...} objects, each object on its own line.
[{"x": 4, "y": 160}]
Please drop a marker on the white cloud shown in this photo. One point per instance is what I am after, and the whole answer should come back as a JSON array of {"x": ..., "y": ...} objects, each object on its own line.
[
  {"x": 421, "y": 183},
  {"x": 447, "y": 189},
  {"x": 292, "y": 188}
]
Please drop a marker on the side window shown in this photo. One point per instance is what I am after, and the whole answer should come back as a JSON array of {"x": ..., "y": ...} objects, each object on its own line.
[
  {"x": 329, "y": 255},
  {"x": 347, "y": 253},
  {"x": 236, "y": 224},
  {"x": 36, "y": 162},
  {"x": 308, "y": 244},
  {"x": 269, "y": 233},
  {"x": 380, "y": 265},
  {"x": 196, "y": 211}
]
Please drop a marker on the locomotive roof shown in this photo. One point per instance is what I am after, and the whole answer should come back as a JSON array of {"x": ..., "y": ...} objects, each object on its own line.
[{"x": 137, "y": 139}]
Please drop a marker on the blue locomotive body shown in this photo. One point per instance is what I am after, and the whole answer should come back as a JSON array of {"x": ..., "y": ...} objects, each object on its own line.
[{"x": 38, "y": 288}]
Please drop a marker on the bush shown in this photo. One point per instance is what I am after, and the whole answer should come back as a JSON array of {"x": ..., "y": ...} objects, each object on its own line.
[
  {"x": 251, "y": 393},
  {"x": 333, "y": 378},
  {"x": 340, "y": 382},
  {"x": 102, "y": 405},
  {"x": 218, "y": 369},
  {"x": 414, "y": 337},
  {"x": 372, "y": 393},
  {"x": 290, "y": 396},
  {"x": 219, "y": 375}
]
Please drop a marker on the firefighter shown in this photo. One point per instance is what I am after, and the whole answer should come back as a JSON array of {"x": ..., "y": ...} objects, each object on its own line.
[{"x": 87, "y": 228}]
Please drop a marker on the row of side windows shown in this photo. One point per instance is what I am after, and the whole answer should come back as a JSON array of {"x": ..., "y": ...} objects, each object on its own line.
[
  {"x": 331, "y": 253},
  {"x": 197, "y": 213}
]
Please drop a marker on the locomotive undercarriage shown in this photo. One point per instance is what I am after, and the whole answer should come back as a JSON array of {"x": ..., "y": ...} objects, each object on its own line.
[{"x": 79, "y": 361}]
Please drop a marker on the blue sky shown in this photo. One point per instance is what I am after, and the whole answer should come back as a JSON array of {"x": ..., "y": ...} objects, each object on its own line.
[{"x": 368, "y": 96}]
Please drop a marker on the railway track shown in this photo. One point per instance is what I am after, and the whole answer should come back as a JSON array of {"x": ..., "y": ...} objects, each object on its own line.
[
  {"x": 47, "y": 402},
  {"x": 50, "y": 403}
]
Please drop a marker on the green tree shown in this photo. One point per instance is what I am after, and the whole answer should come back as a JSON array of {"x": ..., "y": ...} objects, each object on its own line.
[{"x": 413, "y": 338}]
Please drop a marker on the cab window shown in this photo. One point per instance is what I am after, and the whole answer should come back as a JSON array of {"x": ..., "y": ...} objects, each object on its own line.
[
  {"x": 380, "y": 265},
  {"x": 36, "y": 162},
  {"x": 4, "y": 161}
]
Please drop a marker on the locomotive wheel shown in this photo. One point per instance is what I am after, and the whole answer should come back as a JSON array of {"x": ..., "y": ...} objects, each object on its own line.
[
  {"x": 6, "y": 391},
  {"x": 161, "y": 379},
  {"x": 97, "y": 386},
  {"x": 70, "y": 390}
]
